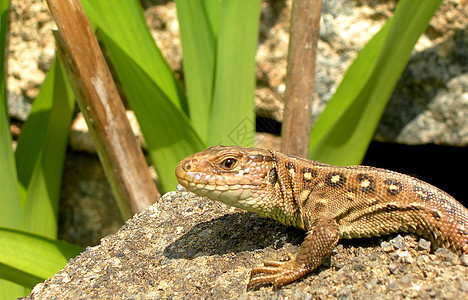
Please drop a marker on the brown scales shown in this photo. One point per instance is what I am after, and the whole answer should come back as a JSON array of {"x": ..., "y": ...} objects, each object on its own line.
[{"x": 329, "y": 202}]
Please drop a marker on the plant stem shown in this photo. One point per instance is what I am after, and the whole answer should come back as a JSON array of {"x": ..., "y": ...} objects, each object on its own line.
[
  {"x": 100, "y": 103},
  {"x": 304, "y": 33}
]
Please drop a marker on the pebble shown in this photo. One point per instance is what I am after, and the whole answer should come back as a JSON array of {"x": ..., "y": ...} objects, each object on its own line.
[
  {"x": 399, "y": 242},
  {"x": 464, "y": 260},
  {"x": 46, "y": 58},
  {"x": 424, "y": 244},
  {"x": 393, "y": 268},
  {"x": 387, "y": 247},
  {"x": 406, "y": 257},
  {"x": 18, "y": 106}
]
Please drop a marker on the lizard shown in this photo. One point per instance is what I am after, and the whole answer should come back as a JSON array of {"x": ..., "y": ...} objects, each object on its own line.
[{"x": 328, "y": 202}]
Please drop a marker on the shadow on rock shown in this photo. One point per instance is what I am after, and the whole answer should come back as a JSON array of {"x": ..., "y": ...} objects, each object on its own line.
[{"x": 232, "y": 233}]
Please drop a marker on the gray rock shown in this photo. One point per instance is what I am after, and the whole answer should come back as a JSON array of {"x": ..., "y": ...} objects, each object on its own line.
[
  {"x": 45, "y": 59},
  {"x": 88, "y": 211},
  {"x": 387, "y": 247},
  {"x": 399, "y": 243},
  {"x": 202, "y": 249},
  {"x": 18, "y": 106},
  {"x": 430, "y": 101},
  {"x": 464, "y": 260},
  {"x": 424, "y": 245}
]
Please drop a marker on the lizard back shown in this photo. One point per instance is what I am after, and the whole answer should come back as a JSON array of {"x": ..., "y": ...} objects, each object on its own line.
[{"x": 367, "y": 201}]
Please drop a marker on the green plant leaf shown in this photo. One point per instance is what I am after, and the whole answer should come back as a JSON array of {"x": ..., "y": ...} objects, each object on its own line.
[
  {"x": 41, "y": 152},
  {"x": 10, "y": 204},
  {"x": 199, "y": 52},
  {"x": 232, "y": 117},
  {"x": 28, "y": 259},
  {"x": 149, "y": 85},
  {"x": 168, "y": 133},
  {"x": 10, "y": 207},
  {"x": 4, "y": 9},
  {"x": 213, "y": 13},
  {"x": 124, "y": 22},
  {"x": 345, "y": 96},
  {"x": 343, "y": 132}
]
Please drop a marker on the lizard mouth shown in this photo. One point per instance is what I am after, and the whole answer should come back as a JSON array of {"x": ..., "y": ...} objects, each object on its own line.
[
  {"x": 226, "y": 191},
  {"x": 227, "y": 188}
]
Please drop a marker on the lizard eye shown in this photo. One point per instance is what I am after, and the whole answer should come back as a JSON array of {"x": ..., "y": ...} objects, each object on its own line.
[{"x": 228, "y": 163}]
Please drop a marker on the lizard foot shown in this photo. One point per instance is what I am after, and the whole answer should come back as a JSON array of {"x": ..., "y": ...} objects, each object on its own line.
[{"x": 277, "y": 273}]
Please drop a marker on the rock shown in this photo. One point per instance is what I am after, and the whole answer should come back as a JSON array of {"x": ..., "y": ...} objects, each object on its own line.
[
  {"x": 18, "y": 106},
  {"x": 80, "y": 139},
  {"x": 30, "y": 35},
  {"x": 46, "y": 58},
  {"x": 387, "y": 247},
  {"x": 88, "y": 211},
  {"x": 429, "y": 104},
  {"x": 205, "y": 249},
  {"x": 399, "y": 243},
  {"x": 406, "y": 257},
  {"x": 464, "y": 260},
  {"x": 424, "y": 245}
]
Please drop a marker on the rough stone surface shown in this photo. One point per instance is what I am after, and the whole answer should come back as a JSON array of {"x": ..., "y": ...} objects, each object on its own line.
[
  {"x": 185, "y": 246},
  {"x": 30, "y": 38},
  {"x": 430, "y": 103}
]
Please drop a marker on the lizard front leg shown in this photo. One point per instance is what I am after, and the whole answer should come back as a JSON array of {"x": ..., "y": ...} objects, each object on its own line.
[{"x": 317, "y": 246}]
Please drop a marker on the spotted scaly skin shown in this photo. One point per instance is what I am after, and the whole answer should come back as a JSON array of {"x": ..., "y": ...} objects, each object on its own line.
[{"x": 329, "y": 202}]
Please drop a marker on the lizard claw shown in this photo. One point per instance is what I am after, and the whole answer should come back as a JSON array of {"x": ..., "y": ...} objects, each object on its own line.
[
  {"x": 317, "y": 246},
  {"x": 277, "y": 273}
]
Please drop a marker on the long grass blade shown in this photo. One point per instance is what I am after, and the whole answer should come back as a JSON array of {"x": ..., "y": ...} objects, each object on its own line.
[
  {"x": 167, "y": 130},
  {"x": 232, "y": 118},
  {"x": 40, "y": 154},
  {"x": 10, "y": 204},
  {"x": 213, "y": 12},
  {"x": 148, "y": 83},
  {"x": 10, "y": 207},
  {"x": 345, "y": 129},
  {"x": 124, "y": 22},
  {"x": 199, "y": 52}
]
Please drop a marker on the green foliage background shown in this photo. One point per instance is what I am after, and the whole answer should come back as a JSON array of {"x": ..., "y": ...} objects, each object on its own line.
[{"x": 214, "y": 105}]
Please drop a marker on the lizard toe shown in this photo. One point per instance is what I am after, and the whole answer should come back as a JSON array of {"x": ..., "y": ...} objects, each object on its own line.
[{"x": 277, "y": 273}]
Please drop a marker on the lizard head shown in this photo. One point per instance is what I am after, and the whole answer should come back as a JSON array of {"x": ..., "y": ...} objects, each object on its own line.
[{"x": 233, "y": 175}]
